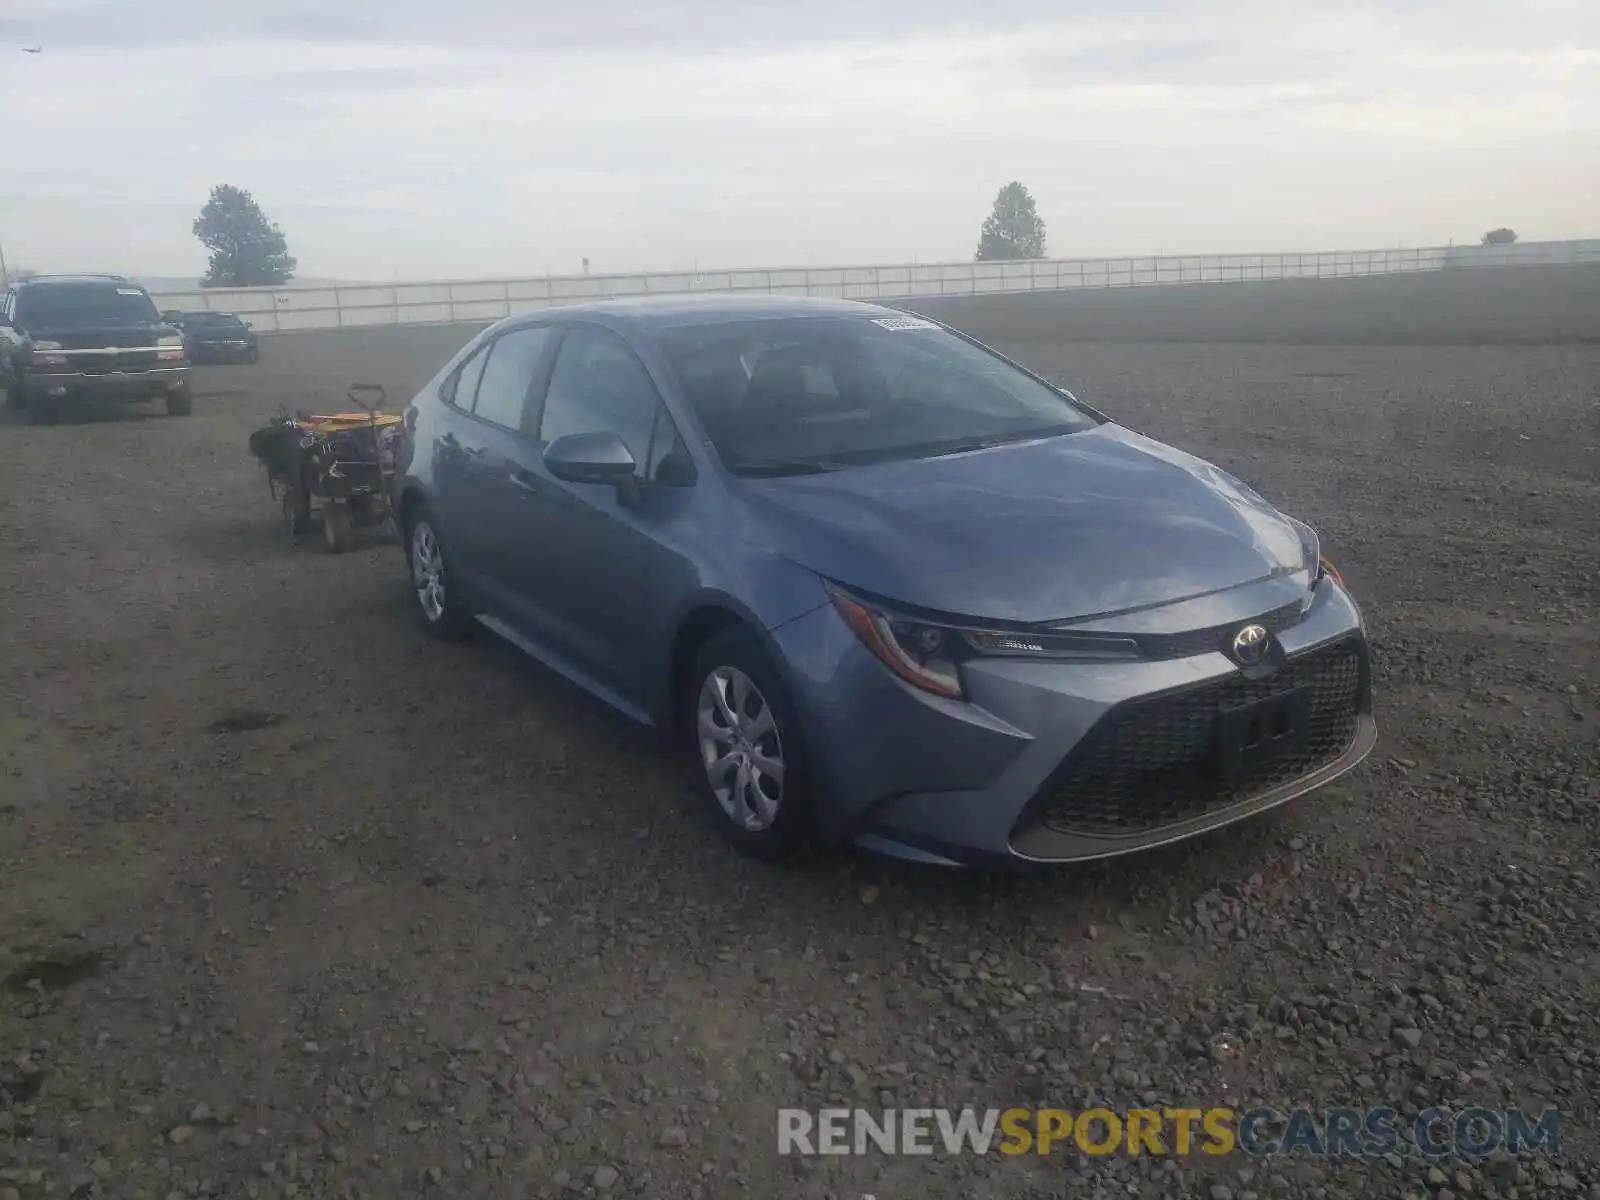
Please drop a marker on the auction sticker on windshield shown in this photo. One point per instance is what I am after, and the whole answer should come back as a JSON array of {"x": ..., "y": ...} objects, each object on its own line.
[{"x": 903, "y": 323}]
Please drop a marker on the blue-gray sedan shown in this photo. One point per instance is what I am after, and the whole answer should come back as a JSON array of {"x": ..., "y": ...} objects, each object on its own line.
[{"x": 883, "y": 585}]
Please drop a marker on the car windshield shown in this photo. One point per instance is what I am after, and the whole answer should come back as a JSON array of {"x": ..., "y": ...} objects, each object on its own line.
[
  {"x": 67, "y": 304},
  {"x": 215, "y": 320},
  {"x": 806, "y": 394}
]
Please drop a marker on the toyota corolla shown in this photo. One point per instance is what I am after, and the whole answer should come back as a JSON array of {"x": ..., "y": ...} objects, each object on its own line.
[{"x": 882, "y": 585}]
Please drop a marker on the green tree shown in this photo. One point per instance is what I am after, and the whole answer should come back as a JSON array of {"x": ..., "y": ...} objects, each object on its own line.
[
  {"x": 1014, "y": 229},
  {"x": 247, "y": 250},
  {"x": 1500, "y": 237}
]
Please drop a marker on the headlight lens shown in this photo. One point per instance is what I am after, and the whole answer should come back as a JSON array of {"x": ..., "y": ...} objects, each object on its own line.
[
  {"x": 45, "y": 344},
  {"x": 920, "y": 654},
  {"x": 929, "y": 656},
  {"x": 171, "y": 339}
]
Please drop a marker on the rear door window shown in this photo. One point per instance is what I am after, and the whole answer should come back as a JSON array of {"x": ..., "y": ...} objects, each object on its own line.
[
  {"x": 507, "y": 376},
  {"x": 461, "y": 388}
]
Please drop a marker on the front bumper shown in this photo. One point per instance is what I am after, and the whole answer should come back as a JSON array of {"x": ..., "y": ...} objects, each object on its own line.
[
  {"x": 115, "y": 385},
  {"x": 222, "y": 352},
  {"x": 1001, "y": 777}
]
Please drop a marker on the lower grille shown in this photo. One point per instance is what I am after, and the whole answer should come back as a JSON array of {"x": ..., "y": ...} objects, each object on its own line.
[{"x": 1150, "y": 763}]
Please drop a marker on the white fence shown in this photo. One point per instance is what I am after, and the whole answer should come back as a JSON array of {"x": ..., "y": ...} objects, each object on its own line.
[{"x": 448, "y": 301}]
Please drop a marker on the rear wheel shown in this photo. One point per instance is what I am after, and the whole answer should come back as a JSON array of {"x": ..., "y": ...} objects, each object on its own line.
[
  {"x": 181, "y": 402},
  {"x": 746, "y": 751},
  {"x": 296, "y": 511},
  {"x": 336, "y": 526},
  {"x": 444, "y": 614}
]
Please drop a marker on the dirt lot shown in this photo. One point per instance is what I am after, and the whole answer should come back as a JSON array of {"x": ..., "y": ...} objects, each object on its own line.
[{"x": 442, "y": 926}]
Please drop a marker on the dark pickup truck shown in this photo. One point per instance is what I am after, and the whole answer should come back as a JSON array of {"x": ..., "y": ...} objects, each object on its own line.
[{"x": 70, "y": 337}]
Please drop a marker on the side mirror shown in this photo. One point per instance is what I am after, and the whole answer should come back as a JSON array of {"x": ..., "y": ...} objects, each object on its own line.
[{"x": 594, "y": 458}]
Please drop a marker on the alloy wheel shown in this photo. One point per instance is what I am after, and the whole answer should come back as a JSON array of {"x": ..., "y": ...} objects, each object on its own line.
[
  {"x": 740, "y": 748},
  {"x": 427, "y": 571}
]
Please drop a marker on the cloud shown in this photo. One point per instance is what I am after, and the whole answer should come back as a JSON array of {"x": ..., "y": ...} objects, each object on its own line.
[{"x": 495, "y": 138}]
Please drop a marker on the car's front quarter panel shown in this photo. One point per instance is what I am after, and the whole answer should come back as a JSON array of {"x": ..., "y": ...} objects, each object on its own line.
[{"x": 915, "y": 774}]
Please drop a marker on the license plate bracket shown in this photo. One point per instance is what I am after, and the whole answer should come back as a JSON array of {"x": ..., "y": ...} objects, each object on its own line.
[{"x": 1252, "y": 735}]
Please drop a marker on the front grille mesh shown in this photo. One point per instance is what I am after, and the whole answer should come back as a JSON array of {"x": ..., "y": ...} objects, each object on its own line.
[{"x": 1149, "y": 763}]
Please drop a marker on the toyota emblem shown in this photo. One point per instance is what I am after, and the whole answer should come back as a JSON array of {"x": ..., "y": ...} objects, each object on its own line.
[{"x": 1250, "y": 644}]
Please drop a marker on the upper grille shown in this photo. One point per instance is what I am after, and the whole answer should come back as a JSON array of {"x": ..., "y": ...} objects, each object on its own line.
[
  {"x": 97, "y": 340},
  {"x": 1201, "y": 641},
  {"x": 104, "y": 364},
  {"x": 1150, "y": 763}
]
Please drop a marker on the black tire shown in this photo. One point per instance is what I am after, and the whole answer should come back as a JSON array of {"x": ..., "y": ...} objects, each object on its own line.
[
  {"x": 39, "y": 410},
  {"x": 296, "y": 511},
  {"x": 253, "y": 357},
  {"x": 181, "y": 402},
  {"x": 337, "y": 533},
  {"x": 453, "y": 620},
  {"x": 791, "y": 834}
]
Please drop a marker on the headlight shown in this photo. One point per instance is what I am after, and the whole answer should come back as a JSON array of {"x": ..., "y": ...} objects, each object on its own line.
[
  {"x": 171, "y": 339},
  {"x": 44, "y": 344},
  {"x": 929, "y": 656}
]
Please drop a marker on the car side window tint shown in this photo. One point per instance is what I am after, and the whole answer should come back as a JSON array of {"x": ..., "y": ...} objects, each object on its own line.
[
  {"x": 507, "y": 376},
  {"x": 461, "y": 388},
  {"x": 600, "y": 386}
]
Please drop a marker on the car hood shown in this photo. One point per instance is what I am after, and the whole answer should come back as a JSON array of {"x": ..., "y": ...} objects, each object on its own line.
[
  {"x": 1070, "y": 527},
  {"x": 97, "y": 334}
]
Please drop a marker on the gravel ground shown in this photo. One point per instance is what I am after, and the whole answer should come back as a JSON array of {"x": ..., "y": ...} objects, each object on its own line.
[{"x": 299, "y": 903}]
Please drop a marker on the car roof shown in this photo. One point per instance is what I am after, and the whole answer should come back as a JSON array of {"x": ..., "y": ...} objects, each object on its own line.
[
  {"x": 713, "y": 308},
  {"x": 74, "y": 281}
]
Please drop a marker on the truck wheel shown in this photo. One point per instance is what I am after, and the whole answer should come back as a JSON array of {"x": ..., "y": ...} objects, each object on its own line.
[
  {"x": 38, "y": 409},
  {"x": 181, "y": 402}
]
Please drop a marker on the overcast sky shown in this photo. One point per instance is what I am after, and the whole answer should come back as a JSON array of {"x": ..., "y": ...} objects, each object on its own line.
[{"x": 508, "y": 137}]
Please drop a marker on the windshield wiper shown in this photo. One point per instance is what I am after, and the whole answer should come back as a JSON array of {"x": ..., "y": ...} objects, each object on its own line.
[
  {"x": 966, "y": 445},
  {"x": 784, "y": 466}
]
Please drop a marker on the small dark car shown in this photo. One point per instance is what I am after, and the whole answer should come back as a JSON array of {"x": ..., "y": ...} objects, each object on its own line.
[
  {"x": 212, "y": 337},
  {"x": 72, "y": 337}
]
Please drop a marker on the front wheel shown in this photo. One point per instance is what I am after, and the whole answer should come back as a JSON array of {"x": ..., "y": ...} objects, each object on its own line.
[
  {"x": 746, "y": 752},
  {"x": 36, "y": 408},
  {"x": 444, "y": 615},
  {"x": 181, "y": 402}
]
